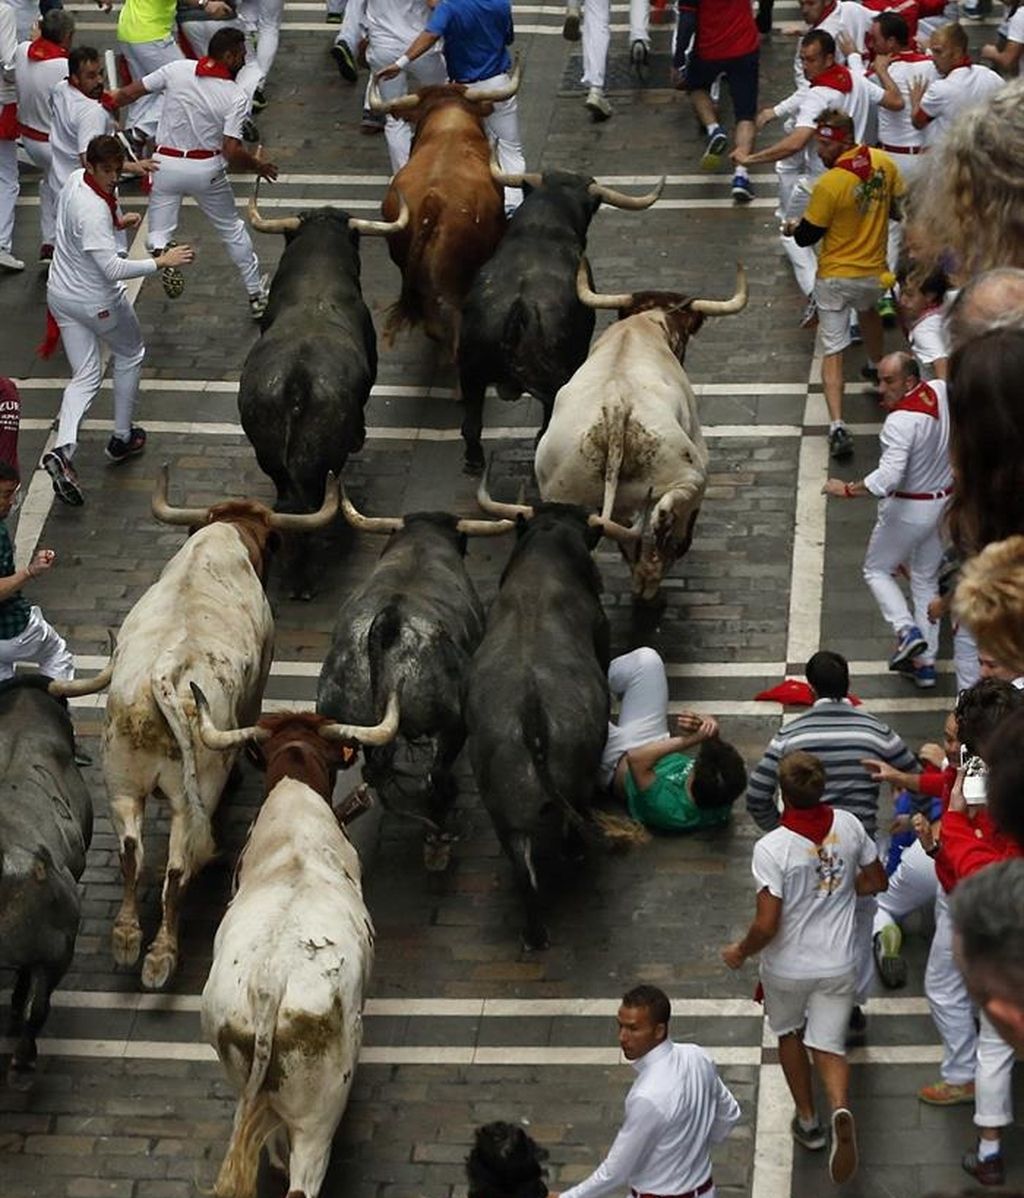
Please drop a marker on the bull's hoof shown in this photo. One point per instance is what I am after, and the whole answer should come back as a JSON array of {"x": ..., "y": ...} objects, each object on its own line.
[
  {"x": 126, "y": 942},
  {"x": 158, "y": 967},
  {"x": 21, "y": 1076}
]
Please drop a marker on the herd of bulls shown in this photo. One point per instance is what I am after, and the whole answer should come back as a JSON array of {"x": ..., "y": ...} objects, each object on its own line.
[{"x": 416, "y": 666}]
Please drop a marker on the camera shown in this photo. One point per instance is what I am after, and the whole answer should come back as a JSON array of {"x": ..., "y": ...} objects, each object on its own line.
[{"x": 975, "y": 776}]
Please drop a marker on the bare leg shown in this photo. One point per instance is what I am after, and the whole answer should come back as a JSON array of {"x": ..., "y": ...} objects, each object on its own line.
[
  {"x": 745, "y": 136},
  {"x": 834, "y": 1071},
  {"x": 704, "y": 109},
  {"x": 832, "y": 380},
  {"x": 871, "y": 330},
  {"x": 797, "y": 1068}
]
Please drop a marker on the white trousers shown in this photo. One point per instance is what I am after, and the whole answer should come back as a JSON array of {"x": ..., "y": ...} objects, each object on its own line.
[
  {"x": 502, "y": 127},
  {"x": 206, "y": 181},
  {"x": 261, "y": 20},
  {"x": 597, "y": 35},
  {"x": 912, "y": 886},
  {"x": 143, "y": 58},
  {"x": 639, "y": 682},
  {"x": 352, "y": 24},
  {"x": 8, "y": 191},
  {"x": 83, "y": 328},
  {"x": 424, "y": 71},
  {"x": 38, "y": 642},
  {"x": 993, "y": 1078},
  {"x": 965, "y": 658},
  {"x": 38, "y": 153},
  {"x": 797, "y": 175},
  {"x": 906, "y": 533},
  {"x": 949, "y": 1002}
]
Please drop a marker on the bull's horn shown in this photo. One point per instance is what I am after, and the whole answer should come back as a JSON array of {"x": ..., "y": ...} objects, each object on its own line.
[
  {"x": 529, "y": 178},
  {"x": 382, "y": 228},
  {"x": 594, "y": 300},
  {"x": 619, "y": 199},
  {"x": 281, "y": 224},
  {"x": 163, "y": 510},
  {"x": 508, "y": 511},
  {"x": 617, "y": 532},
  {"x": 378, "y": 734},
  {"x": 725, "y": 307},
  {"x": 295, "y": 522},
  {"x": 492, "y": 95},
  {"x": 77, "y": 687},
  {"x": 217, "y": 738},
  {"x": 484, "y": 528},
  {"x": 377, "y": 102},
  {"x": 384, "y": 524}
]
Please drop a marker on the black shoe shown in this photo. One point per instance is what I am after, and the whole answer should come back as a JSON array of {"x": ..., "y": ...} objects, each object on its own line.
[
  {"x": 892, "y": 969},
  {"x": 119, "y": 450},
  {"x": 988, "y": 1172},
  {"x": 171, "y": 278},
  {"x": 571, "y": 24},
  {"x": 763, "y": 20},
  {"x": 840, "y": 443},
  {"x": 639, "y": 57},
  {"x": 259, "y": 100},
  {"x": 869, "y": 374},
  {"x": 249, "y": 132},
  {"x": 345, "y": 61},
  {"x": 857, "y": 1029},
  {"x": 65, "y": 481}
]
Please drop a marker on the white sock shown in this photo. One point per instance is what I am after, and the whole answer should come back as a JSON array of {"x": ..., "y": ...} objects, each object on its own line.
[
  {"x": 834, "y": 424},
  {"x": 740, "y": 172},
  {"x": 987, "y": 1149},
  {"x": 807, "y": 1124},
  {"x": 712, "y": 128}
]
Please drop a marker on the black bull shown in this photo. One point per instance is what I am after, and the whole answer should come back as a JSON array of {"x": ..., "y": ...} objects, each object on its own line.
[
  {"x": 523, "y": 327},
  {"x": 537, "y": 709},
  {"x": 45, "y": 830}
]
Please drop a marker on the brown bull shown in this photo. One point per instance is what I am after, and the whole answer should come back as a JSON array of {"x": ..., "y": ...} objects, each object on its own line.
[{"x": 456, "y": 207}]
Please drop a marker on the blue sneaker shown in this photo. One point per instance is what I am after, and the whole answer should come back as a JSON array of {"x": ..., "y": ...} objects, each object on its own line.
[
  {"x": 924, "y": 677},
  {"x": 910, "y": 644},
  {"x": 713, "y": 151},
  {"x": 742, "y": 192}
]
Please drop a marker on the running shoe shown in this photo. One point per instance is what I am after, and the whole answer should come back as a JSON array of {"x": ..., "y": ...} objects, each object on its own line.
[
  {"x": 842, "y": 1157},
  {"x": 65, "y": 481},
  {"x": 989, "y": 1171},
  {"x": 809, "y": 316},
  {"x": 892, "y": 969},
  {"x": 742, "y": 191},
  {"x": 840, "y": 443},
  {"x": 120, "y": 450},
  {"x": 639, "y": 59},
  {"x": 910, "y": 644},
  {"x": 715, "y": 148},
  {"x": 171, "y": 278},
  {"x": 571, "y": 24},
  {"x": 345, "y": 61},
  {"x": 924, "y": 677},
  {"x": 597, "y": 104},
  {"x": 812, "y": 1138},
  {"x": 943, "y": 1093}
]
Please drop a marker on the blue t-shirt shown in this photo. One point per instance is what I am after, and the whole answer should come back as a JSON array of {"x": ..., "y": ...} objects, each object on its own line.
[{"x": 476, "y": 35}]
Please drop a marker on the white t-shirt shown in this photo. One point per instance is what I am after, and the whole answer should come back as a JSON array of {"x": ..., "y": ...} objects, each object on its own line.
[
  {"x": 963, "y": 88},
  {"x": 36, "y": 79},
  {"x": 915, "y": 450},
  {"x": 199, "y": 111},
  {"x": 395, "y": 20},
  {"x": 816, "y": 884},
  {"x": 75, "y": 120},
  {"x": 856, "y": 103},
  {"x": 897, "y": 128},
  {"x": 929, "y": 340},
  {"x": 84, "y": 226}
]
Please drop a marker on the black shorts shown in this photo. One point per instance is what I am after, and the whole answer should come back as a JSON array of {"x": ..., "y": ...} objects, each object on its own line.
[{"x": 740, "y": 74}]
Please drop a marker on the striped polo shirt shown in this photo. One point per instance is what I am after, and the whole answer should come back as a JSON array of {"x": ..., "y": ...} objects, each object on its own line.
[{"x": 840, "y": 736}]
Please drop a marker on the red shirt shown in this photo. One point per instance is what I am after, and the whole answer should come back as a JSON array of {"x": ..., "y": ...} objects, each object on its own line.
[
  {"x": 10, "y": 419},
  {"x": 969, "y": 844},
  {"x": 726, "y": 29}
]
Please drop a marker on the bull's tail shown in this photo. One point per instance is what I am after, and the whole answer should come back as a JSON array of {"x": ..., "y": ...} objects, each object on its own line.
[
  {"x": 199, "y": 847},
  {"x": 613, "y": 461},
  {"x": 408, "y": 308},
  {"x": 255, "y": 1120}
]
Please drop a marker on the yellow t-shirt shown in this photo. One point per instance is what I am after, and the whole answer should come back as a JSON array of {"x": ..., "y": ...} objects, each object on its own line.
[
  {"x": 145, "y": 20},
  {"x": 855, "y": 215}
]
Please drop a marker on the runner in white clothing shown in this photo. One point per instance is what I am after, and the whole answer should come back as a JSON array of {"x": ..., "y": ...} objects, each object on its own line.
[
  {"x": 913, "y": 480},
  {"x": 38, "y": 67},
  {"x": 198, "y": 138},
  {"x": 675, "y": 1110},
  {"x": 596, "y": 22},
  {"x": 962, "y": 84},
  {"x": 809, "y": 872},
  {"x": 87, "y": 306},
  {"x": 1010, "y": 59},
  {"x": 9, "y": 184}
]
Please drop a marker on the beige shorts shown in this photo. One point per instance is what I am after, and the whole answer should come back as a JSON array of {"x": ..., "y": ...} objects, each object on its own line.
[
  {"x": 836, "y": 299},
  {"x": 822, "y": 1004}
]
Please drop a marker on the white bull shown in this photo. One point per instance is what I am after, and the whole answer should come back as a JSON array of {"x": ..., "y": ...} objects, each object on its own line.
[
  {"x": 292, "y": 957},
  {"x": 624, "y": 432},
  {"x": 206, "y": 618}
]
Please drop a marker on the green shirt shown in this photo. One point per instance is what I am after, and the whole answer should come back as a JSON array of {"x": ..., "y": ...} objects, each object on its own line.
[
  {"x": 145, "y": 20},
  {"x": 14, "y": 610},
  {"x": 665, "y": 804}
]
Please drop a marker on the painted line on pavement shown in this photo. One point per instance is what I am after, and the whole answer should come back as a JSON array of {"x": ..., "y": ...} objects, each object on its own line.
[{"x": 773, "y": 1142}]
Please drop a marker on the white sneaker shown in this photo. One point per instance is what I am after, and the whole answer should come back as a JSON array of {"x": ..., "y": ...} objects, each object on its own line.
[
  {"x": 9, "y": 262},
  {"x": 598, "y": 105}
]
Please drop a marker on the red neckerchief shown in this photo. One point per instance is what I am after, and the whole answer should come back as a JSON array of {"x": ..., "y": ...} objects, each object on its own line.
[
  {"x": 814, "y": 823},
  {"x": 836, "y": 77},
  {"x": 209, "y": 67},
  {"x": 910, "y": 56},
  {"x": 930, "y": 311},
  {"x": 922, "y": 400},
  {"x": 964, "y": 62},
  {"x": 41, "y": 49},
  {"x": 857, "y": 161},
  {"x": 108, "y": 197}
]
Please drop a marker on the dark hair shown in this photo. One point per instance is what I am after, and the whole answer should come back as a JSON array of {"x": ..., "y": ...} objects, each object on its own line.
[
  {"x": 936, "y": 282},
  {"x": 225, "y": 40},
  {"x": 894, "y": 25},
  {"x": 822, "y": 39},
  {"x": 57, "y": 25},
  {"x": 652, "y": 999},
  {"x": 9, "y": 473},
  {"x": 79, "y": 56},
  {"x": 828, "y": 674},
  {"x": 988, "y": 912},
  {"x": 981, "y": 709},
  {"x": 104, "y": 150},
  {"x": 801, "y": 779},
  {"x": 1005, "y": 788},
  {"x": 505, "y": 1162},
  {"x": 719, "y": 774},
  {"x": 986, "y": 439}
]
